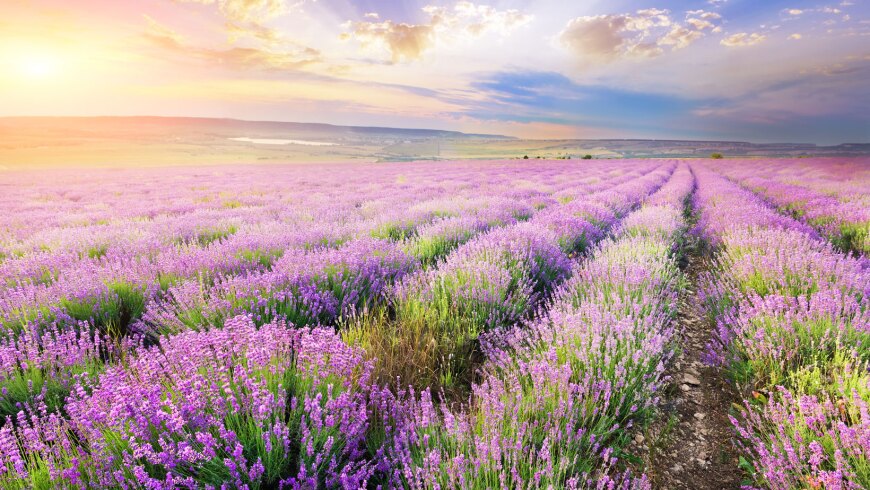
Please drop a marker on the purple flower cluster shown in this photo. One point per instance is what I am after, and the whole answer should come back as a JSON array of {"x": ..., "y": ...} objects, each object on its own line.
[
  {"x": 809, "y": 440},
  {"x": 793, "y": 319},
  {"x": 214, "y": 327},
  {"x": 239, "y": 406},
  {"x": 212, "y": 399},
  {"x": 62, "y": 250},
  {"x": 555, "y": 394},
  {"x": 830, "y": 195}
]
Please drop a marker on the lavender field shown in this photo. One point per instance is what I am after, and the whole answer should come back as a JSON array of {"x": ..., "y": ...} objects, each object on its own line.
[{"x": 461, "y": 324}]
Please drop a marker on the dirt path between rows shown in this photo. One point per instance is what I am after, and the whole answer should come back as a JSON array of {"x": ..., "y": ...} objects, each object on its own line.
[{"x": 689, "y": 446}]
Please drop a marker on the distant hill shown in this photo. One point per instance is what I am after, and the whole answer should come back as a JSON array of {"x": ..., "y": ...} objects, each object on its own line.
[
  {"x": 149, "y": 125},
  {"x": 149, "y": 141}
]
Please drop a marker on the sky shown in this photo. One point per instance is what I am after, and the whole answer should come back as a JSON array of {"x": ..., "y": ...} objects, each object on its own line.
[{"x": 747, "y": 70}]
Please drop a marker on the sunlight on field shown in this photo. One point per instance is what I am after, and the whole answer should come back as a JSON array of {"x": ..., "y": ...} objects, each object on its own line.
[
  {"x": 276, "y": 141},
  {"x": 434, "y": 245},
  {"x": 290, "y": 309}
]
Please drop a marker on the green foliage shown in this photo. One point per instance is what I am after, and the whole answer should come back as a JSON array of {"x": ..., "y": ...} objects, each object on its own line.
[
  {"x": 16, "y": 320},
  {"x": 853, "y": 237},
  {"x": 775, "y": 350},
  {"x": 419, "y": 349},
  {"x": 429, "y": 250},
  {"x": 114, "y": 312},
  {"x": 716, "y": 156},
  {"x": 97, "y": 251},
  {"x": 395, "y": 230},
  {"x": 205, "y": 237},
  {"x": 587, "y": 157},
  {"x": 260, "y": 305},
  {"x": 50, "y": 383},
  {"x": 264, "y": 258},
  {"x": 46, "y": 277},
  {"x": 166, "y": 280}
]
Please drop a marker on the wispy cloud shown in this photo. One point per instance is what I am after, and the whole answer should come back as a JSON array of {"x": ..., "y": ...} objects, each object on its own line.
[
  {"x": 173, "y": 42},
  {"x": 644, "y": 33},
  {"x": 463, "y": 21},
  {"x": 741, "y": 39},
  {"x": 249, "y": 10}
]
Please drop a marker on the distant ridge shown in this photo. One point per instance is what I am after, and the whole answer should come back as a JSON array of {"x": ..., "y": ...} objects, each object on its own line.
[
  {"x": 156, "y": 140},
  {"x": 115, "y": 123}
]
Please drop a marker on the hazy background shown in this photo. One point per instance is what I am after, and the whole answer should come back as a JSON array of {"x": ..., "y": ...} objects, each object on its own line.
[{"x": 734, "y": 70}]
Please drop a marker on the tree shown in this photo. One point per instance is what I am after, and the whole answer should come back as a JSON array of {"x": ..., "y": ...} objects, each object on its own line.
[
  {"x": 716, "y": 156},
  {"x": 587, "y": 157}
]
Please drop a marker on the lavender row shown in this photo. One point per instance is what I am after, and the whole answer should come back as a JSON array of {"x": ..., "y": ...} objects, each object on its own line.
[
  {"x": 323, "y": 286},
  {"x": 830, "y": 195},
  {"x": 74, "y": 451},
  {"x": 230, "y": 408},
  {"x": 87, "y": 280},
  {"x": 209, "y": 237},
  {"x": 555, "y": 394},
  {"x": 496, "y": 279},
  {"x": 300, "y": 286},
  {"x": 792, "y": 328}
]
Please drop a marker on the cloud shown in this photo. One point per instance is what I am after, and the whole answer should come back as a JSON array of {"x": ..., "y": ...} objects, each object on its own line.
[
  {"x": 793, "y": 11},
  {"x": 464, "y": 21},
  {"x": 795, "y": 37},
  {"x": 645, "y": 33},
  {"x": 288, "y": 58},
  {"x": 161, "y": 34},
  {"x": 249, "y": 10},
  {"x": 476, "y": 20},
  {"x": 743, "y": 39},
  {"x": 254, "y": 31},
  {"x": 407, "y": 41}
]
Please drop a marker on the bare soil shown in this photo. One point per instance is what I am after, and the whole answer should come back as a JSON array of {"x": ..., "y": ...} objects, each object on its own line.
[{"x": 689, "y": 445}]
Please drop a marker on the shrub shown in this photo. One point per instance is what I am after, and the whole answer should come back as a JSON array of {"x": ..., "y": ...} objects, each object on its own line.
[{"x": 244, "y": 407}]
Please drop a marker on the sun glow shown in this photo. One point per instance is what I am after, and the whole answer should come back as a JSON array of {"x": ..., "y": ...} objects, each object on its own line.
[
  {"x": 24, "y": 61},
  {"x": 38, "y": 66}
]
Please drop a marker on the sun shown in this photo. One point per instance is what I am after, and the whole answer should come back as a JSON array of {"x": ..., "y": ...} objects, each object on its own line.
[{"x": 38, "y": 66}]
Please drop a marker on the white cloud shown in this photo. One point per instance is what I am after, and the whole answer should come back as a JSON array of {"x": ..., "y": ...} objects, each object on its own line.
[
  {"x": 794, "y": 11},
  {"x": 464, "y": 21},
  {"x": 402, "y": 40},
  {"x": 249, "y": 10},
  {"x": 743, "y": 39},
  {"x": 286, "y": 57},
  {"x": 645, "y": 33},
  {"x": 475, "y": 20},
  {"x": 794, "y": 37}
]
